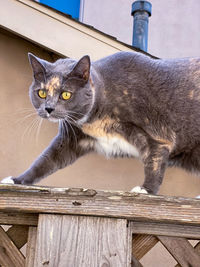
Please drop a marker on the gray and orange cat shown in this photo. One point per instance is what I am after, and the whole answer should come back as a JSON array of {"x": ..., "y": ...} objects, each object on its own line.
[{"x": 125, "y": 105}]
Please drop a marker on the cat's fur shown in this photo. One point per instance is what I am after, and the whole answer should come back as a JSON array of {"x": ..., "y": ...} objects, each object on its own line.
[{"x": 125, "y": 105}]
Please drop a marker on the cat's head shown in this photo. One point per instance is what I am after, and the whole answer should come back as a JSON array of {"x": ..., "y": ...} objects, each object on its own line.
[{"x": 61, "y": 90}]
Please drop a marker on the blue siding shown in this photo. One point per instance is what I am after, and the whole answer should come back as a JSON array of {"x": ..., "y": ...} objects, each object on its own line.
[{"x": 70, "y": 7}]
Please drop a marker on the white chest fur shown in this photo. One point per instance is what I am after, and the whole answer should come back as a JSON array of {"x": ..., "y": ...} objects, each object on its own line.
[
  {"x": 110, "y": 144},
  {"x": 115, "y": 147}
]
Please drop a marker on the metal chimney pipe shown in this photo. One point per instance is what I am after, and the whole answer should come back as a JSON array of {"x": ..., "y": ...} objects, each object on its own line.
[{"x": 141, "y": 11}]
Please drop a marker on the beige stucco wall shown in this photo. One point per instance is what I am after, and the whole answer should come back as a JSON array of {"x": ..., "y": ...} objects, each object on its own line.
[
  {"x": 19, "y": 145},
  {"x": 173, "y": 26}
]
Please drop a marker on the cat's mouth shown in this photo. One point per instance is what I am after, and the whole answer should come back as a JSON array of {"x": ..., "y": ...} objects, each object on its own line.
[
  {"x": 71, "y": 117},
  {"x": 50, "y": 117}
]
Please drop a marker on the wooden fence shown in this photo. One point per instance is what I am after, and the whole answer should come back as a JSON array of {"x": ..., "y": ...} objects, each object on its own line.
[{"x": 86, "y": 228}]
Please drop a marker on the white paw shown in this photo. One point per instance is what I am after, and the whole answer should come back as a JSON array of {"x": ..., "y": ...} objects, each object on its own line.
[
  {"x": 198, "y": 196},
  {"x": 138, "y": 189},
  {"x": 7, "y": 180}
]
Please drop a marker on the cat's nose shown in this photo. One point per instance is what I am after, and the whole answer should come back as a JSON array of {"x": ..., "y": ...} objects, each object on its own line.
[{"x": 49, "y": 110}]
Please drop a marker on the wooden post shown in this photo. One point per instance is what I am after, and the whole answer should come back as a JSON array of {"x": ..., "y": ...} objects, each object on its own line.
[{"x": 74, "y": 241}]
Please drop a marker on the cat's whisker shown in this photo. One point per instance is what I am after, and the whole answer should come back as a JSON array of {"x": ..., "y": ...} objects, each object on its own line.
[
  {"x": 38, "y": 129},
  {"x": 67, "y": 129},
  {"x": 72, "y": 119},
  {"x": 73, "y": 116},
  {"x": 78, "y": 113},
  {"x": 69, "y": 123},
  {"x": 73, "y": 134},
  {"x": 35, "y": 129},
  {"x": 23, "y": 110},
  {"x": 64, "y": 129},
  {"x": 67, "y": 118},
  {"x": 25, "y": 131},
  {"x": 25, "y": 117},
  {"x": 73, "y": 123},
  {"x": 17, "y": 114},
  {"x": 32, "y": 127},
  {"x": 28, "y": 130}
]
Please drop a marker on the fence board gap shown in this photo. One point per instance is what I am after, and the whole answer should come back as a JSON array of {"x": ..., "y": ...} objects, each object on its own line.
[
  {"x": 18, "y": 234},
  {"x": 142, "y": 244}
]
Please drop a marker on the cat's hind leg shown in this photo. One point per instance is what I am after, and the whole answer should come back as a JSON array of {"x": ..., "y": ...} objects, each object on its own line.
[
  {"x": 139, "y": 189},
  {"x": 155, "y": 164}
]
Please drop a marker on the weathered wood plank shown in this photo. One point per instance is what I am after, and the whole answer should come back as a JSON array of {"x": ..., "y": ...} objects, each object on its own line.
[
  {"x": 10, "y": 256},
  {"x": 153, "y": 228},
  {"x": 197, "y": 249},
  {"x": 182, "y": 251},
  {"x": 142, "y": 244},
  {"x": 11, "y": 218},
  {"x": 31, "y": 245},
  {"x": 82, "y": 241},
  {"x": 18, "y": 234},
  {"x": 102, "y": 203},
  {"x": 5, "y": 261}
]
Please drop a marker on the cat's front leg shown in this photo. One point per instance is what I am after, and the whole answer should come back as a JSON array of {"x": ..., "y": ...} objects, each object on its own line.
[
  {"x": 58, "y": 155},
  {"x": 154, "y": 167}
]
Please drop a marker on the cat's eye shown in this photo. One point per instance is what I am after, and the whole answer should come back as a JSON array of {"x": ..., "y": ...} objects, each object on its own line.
[
  {"x": 42, "y": 93},
  {"x": 66, "y": 95}
]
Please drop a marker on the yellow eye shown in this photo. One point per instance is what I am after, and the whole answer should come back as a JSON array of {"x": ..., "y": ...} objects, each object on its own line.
[
  {"x": 66, "y": 95},
  {"x": 42, "y": 93}
]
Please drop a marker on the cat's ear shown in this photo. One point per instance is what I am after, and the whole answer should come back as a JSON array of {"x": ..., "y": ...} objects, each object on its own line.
[
  {"x": 38, "y": 67},
  {"x": 82, "y": 69}
]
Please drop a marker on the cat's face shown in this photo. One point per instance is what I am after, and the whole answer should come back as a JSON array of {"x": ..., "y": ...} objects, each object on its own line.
[{"x": 61, "y": 90}]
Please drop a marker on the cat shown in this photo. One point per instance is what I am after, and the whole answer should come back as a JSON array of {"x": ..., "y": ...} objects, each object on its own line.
[{"x": 124, "y": 105}]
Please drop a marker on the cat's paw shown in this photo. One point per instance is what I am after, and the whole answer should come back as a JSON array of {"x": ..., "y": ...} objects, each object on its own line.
[
  {"x": 138, "y": 189},
  {"x": 8, "y": 180}
]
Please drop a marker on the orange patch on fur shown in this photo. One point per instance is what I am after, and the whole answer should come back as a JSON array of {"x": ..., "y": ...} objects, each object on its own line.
[
  {"x": 53, "y": 84},
  {"x": 116, "y": 111},
  {"x": 191, "y": 94},
  {"x": 101, "y": 128},
  {"x": 155, "y": 165},
  {"x": 98, "y": 128}
]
